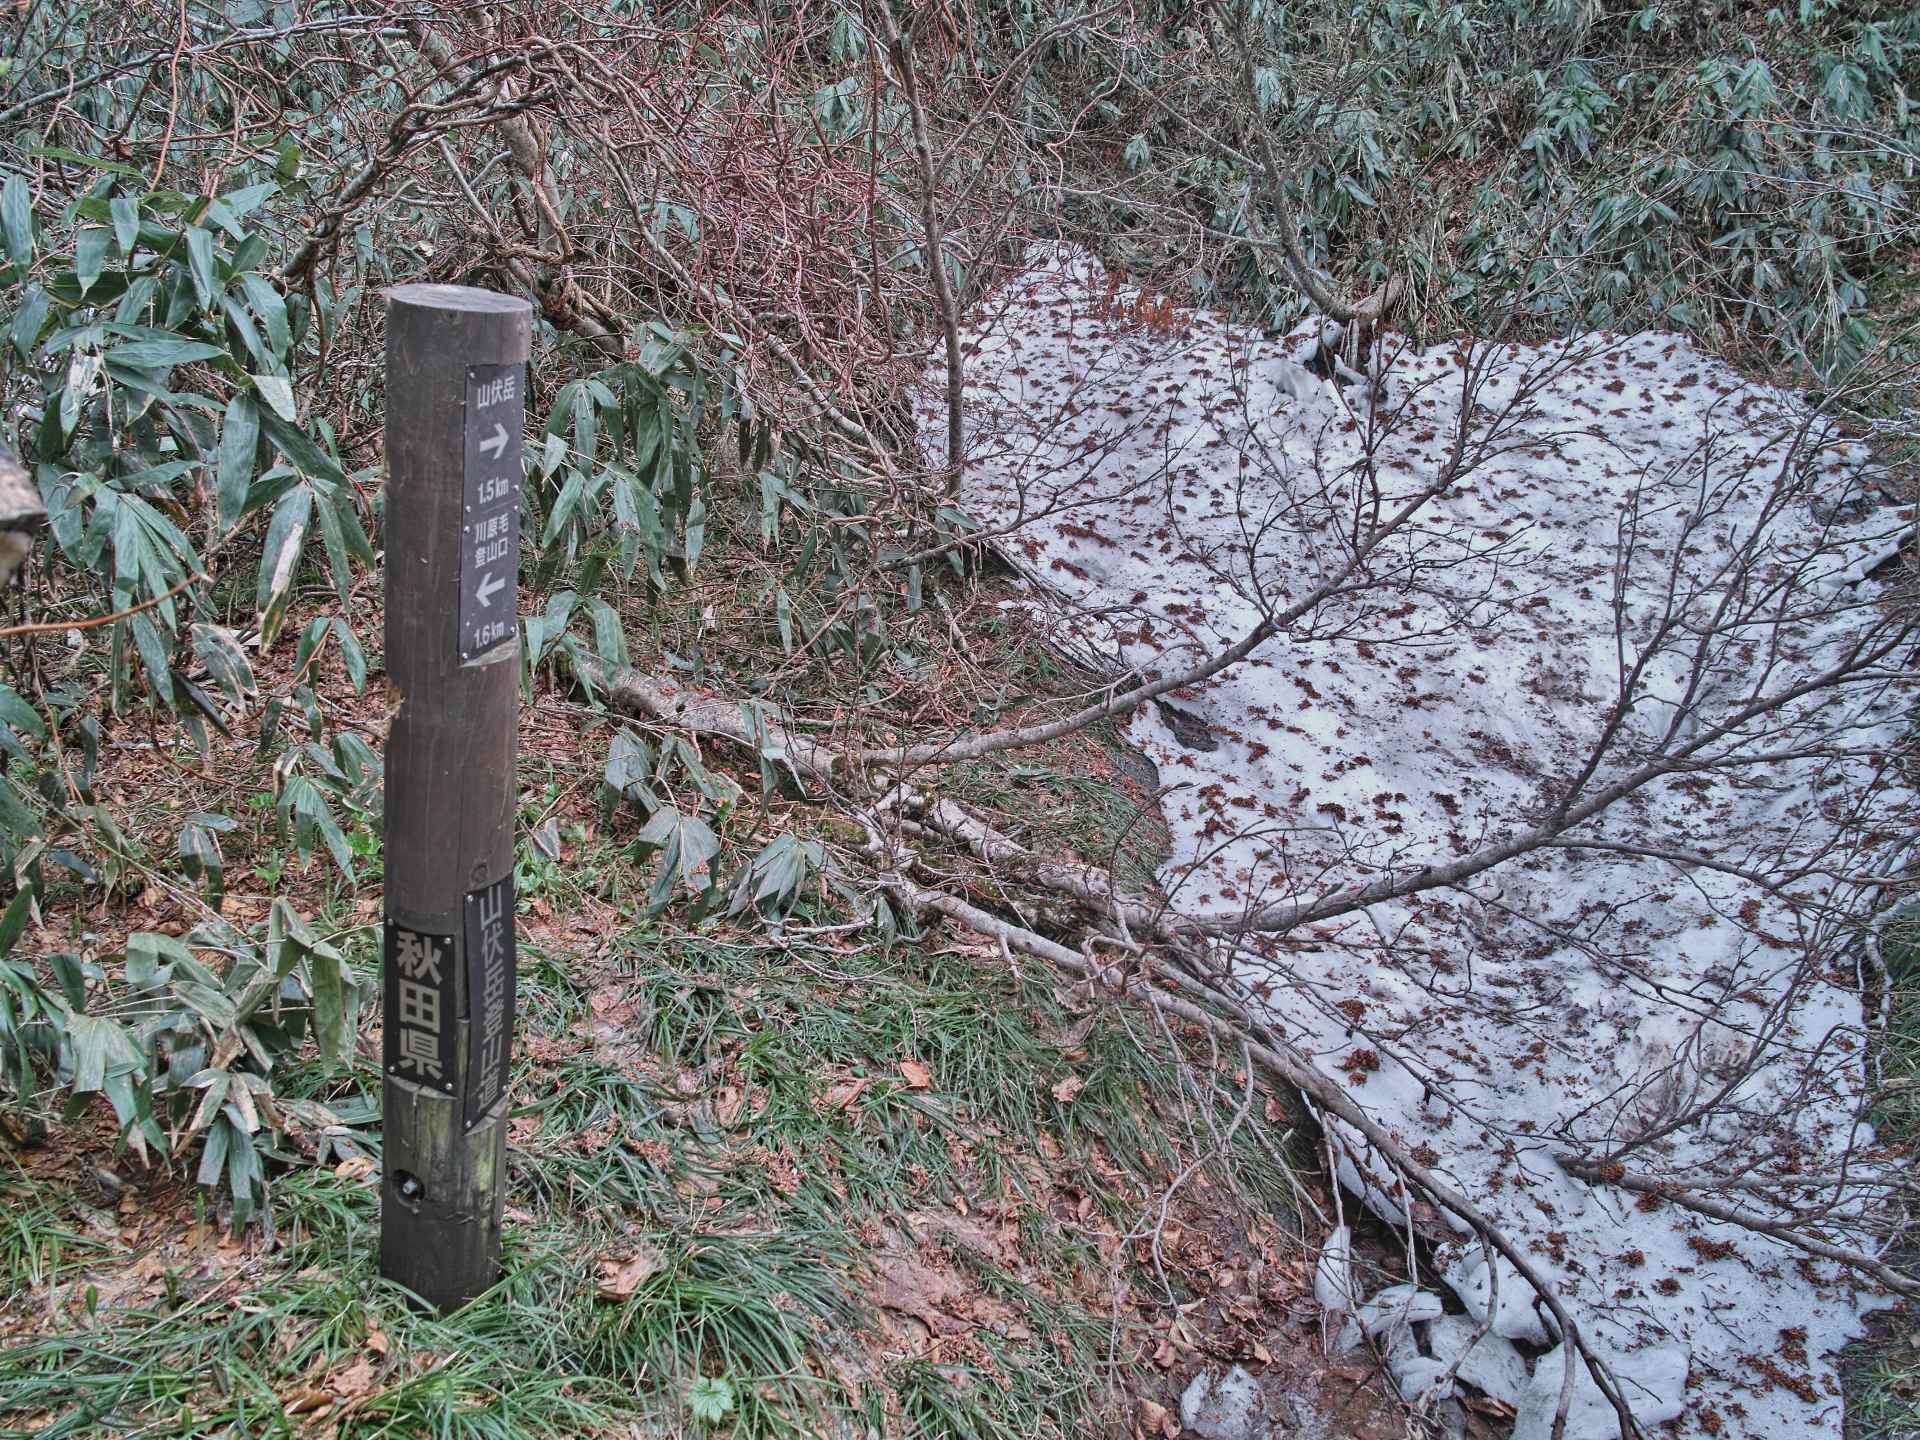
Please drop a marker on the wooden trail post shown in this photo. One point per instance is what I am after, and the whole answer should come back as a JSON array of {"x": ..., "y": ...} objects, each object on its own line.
[{"x": 456, "y": 405}]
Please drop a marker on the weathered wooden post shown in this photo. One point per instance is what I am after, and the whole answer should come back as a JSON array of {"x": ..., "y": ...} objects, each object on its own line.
[{"x": 456, "y": 404}]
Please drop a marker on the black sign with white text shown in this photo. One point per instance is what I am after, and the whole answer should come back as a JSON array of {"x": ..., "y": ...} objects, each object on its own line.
[
  {"x": 490, "y": 993},
  {"x": 417, "y": 1022},
  {"x": 490, "y": 514}
]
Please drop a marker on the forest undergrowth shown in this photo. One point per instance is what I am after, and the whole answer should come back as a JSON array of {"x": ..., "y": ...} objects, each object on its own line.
[{"x": 836, "y": 1107}]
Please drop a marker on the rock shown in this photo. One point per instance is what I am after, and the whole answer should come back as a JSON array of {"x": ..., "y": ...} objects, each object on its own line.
[
  {"x": 1518, "y": 1319},
  {"x": 1493, "y": 1366},
  {"x": 1333, "y": 1276},
  {"x": 1653, "y": 1381},
  {"x": 1229, "y": 1407}
]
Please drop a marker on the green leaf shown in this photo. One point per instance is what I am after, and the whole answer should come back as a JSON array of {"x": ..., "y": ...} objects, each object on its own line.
[
  {"x": 206, "y": 283},
  {"x": 609, "y": 636},
  {"x": 272, "y": 310},
  {"x": 16, "y": 222},
  {"x": 630, "y": 766},
  {"x": 243, "y": 1173},
  {"x": 249, "y": 333},
  {"x": 30, "y": 320},
  {"x": 153, "y": 960},
  {"x": 163, "y": 354},
  {"x": 239, "y": 446},
  {"x": 351, "y": 654},
  {"x": 277, "y": 391},
  {"x": 126, "y": 223},
  {"x": 220, "y": 651},
  {"x": 301, "y": 451},
  {"x": 280, "y": 560},
  {"x": 687, "y": 849},
  {"x": 82, "y": 373},
  {"x": 99, "y": 1046},
  {"x": 89, "y": 162},
  {"x": 306, "y": 816},
  {"x": 213, "y": 1158},
  {"x": 201, "y": 859},
  {"x": 710, "y": 1399},
  {"x": 249, "y": 198},
  {"x": 89, "y": 256},
  {"x": 333, "y": 1004},
  {"x": 17, "y": 713},
  {"x": 14, "y": 923},
  {"x": 155, "y": 651}
]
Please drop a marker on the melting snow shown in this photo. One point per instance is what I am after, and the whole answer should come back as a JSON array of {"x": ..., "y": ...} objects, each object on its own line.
[{"x": 1161, "y": 476}]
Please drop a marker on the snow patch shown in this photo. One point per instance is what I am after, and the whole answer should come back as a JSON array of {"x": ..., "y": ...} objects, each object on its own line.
[{"x": 1180, "y": 485}]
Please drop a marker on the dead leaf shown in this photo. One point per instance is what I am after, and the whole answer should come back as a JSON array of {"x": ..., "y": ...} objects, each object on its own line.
[
  {"x": 305, "y": 1401},
  {"x": 916, "y": 1075},
  {"x": 377, "y": 1341},
  {"x": 620, "y": 1278},
  {"x": 356, "y": 1381},
  {"x": 1156, "y": 1419},
  {"x": 912, "y": 1287},
  {"x": 840, "y": 1096},
  {"x": 1065, "y": 1090}
]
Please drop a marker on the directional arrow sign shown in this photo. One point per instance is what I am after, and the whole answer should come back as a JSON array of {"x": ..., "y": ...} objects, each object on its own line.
[{"x": 490, "y": 508}]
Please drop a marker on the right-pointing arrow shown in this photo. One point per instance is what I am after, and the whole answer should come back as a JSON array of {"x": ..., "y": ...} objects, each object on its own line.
[
  {"x": 490, "y": 586},
  {"x": 495, "y": 445}
]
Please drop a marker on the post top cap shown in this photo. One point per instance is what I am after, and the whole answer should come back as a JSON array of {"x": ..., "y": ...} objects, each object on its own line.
[{"x": 458, "y": 297}]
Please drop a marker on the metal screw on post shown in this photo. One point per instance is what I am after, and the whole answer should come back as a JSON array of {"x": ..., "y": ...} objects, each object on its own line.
[{"x": 456, "y": 406}]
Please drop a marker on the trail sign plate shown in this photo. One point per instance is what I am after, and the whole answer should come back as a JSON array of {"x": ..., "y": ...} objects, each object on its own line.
[
  {"x": 490, "y": 511},
  {"x": 417, "y": 1018},
  {"x": 488, "y": 924}
]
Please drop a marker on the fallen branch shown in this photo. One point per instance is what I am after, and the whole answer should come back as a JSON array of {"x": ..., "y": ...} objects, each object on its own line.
[
  {"x": 666, "y": 702},
  {"x": 1280, "y": 1059}
]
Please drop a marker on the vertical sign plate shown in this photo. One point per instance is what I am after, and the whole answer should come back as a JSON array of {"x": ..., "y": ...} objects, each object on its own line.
[
  {"x": 417, "y": 1033},
  {"x": 490, "y": 515},
  {"x": 490, "y": 991}
]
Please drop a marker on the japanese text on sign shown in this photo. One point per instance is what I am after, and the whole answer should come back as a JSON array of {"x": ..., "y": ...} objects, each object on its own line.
[
  {"x": 490, "y": 984},
  {"x": 418, "y": 991},
  {"x": 490, "y": 507}
]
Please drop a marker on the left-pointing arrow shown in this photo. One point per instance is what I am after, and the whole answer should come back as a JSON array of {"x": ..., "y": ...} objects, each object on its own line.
[
  {"x": 490, "y": 586},
  {"x": 495, "y": 445}
]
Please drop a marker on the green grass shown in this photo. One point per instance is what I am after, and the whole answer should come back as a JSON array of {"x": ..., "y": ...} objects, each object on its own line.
[
  {"x": 1883, "y": 1383},
  {"x": 1050, "y": 809},
  {"x": 750, "y": 1120},
  {"x": 42, "y": 1241}
]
